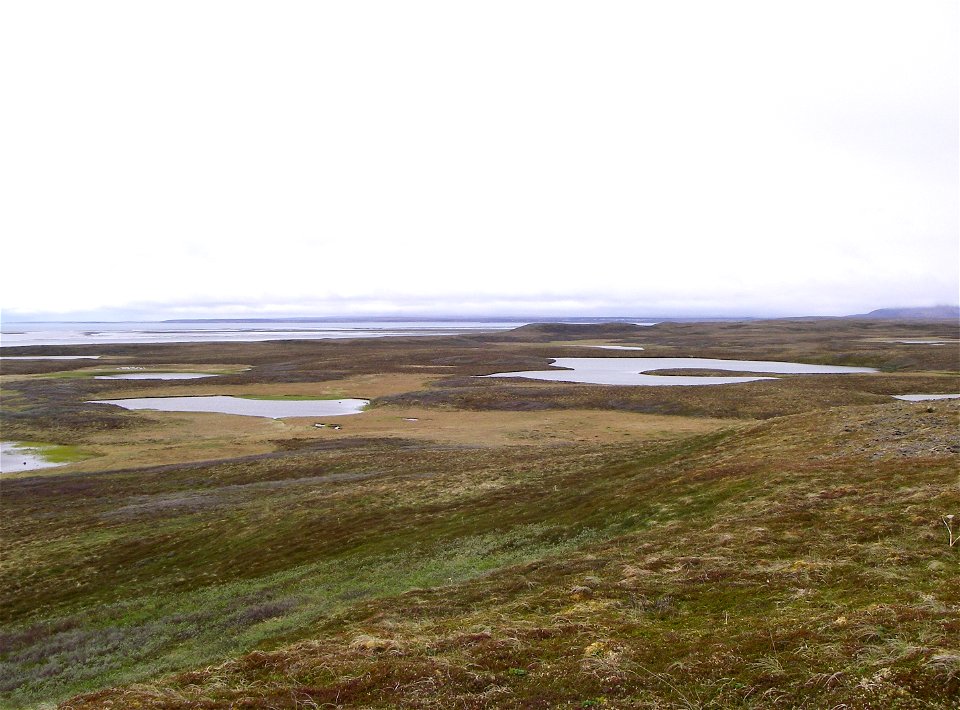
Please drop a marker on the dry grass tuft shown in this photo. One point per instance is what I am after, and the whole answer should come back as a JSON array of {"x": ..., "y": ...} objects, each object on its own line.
[{"x": 368, "y": 643}]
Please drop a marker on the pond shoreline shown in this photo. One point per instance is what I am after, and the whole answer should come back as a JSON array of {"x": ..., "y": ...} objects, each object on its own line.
[
  {"x": 632, "y": 370},
  {"x": 225, "y": 404}
]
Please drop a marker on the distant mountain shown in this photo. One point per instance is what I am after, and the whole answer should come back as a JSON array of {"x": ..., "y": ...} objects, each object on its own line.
[{"x": 929, "y": 313}]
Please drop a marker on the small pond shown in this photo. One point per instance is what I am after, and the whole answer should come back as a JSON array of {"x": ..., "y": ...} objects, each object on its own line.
[
  {"x": 17, "y": 457},
  {"x": 222, "y": 404},
  {"x": 923, "y": 342},
  {"x": 615, "y": 347},
  {"x": 50, "y": 357},
  {"x": 924, "y": 397},
  {"x": 630, "y": 370},
  {"x": 154, "y": 376}
]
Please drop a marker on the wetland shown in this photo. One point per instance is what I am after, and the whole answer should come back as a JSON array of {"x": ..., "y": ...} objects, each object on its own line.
[{"x": 536, "y": 543}]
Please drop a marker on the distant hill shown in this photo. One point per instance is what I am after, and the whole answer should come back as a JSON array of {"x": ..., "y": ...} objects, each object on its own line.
[{"x": 929, "y": 313}]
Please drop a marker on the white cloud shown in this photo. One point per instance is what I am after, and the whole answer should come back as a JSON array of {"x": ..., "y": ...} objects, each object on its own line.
[{"x": 739, "y": 156}]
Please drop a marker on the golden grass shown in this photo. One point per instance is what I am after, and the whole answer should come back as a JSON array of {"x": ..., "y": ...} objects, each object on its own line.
[{"x": 511, "y": 428}]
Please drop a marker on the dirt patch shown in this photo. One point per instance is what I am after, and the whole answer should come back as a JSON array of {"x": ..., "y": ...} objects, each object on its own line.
[{"x": 907, "y": 430}]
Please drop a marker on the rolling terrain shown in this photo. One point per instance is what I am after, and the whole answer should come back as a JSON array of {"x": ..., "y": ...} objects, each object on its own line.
[{"x": 471, "y": 542}]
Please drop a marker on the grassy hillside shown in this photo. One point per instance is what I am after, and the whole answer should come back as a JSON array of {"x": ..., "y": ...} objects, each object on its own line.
[{"x": 748, "y": 548}]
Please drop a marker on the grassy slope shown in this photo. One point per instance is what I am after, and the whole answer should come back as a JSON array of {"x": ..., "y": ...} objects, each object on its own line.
[{"x": 795, "y": 561}]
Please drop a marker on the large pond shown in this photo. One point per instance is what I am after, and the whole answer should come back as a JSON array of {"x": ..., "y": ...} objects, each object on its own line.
[
  {"x": 924, "y": 397},
  {"x": 16, "y": 457},
  {"x": 630, "y": 370},
  {"x": 273, "y": 408}
]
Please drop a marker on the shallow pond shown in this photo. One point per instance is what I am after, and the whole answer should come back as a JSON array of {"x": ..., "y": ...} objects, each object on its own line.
[
  {"x": 924, "y": 397},
  {"x": 924, "y": 342},
  {"x": 50, "y": 357},
  {"x": 17, "y": 457},
  {"x": 630, "y": 370},
  {"x": 272, "y": 408},
  {"x": 615, "y": 347},
  {"x": 154, "y": 376}
]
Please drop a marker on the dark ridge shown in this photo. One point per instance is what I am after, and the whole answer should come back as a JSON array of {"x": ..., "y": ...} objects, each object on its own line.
[
  {"x": 569, "y": 331},
  {"x": 929, "y": 313}
]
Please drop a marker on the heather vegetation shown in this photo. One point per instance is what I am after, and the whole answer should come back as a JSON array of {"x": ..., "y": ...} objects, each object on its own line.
[{"x": 481, "y": 543}]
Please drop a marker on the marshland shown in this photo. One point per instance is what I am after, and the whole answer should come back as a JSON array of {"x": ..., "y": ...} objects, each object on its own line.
[{"x": 471, "y": 541}]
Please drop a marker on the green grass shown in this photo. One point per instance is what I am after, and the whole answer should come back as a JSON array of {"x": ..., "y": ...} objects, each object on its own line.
[{"x": 160, "y": 633}]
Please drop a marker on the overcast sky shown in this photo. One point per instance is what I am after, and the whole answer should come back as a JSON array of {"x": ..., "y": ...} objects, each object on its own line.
[{"x": 179, "y": 159}]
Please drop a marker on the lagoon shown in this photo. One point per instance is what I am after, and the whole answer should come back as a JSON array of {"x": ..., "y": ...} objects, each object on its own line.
[
  {"x": 256, "y": 330},
  {"x": 222, "y": 404},
  {"x": 67, "y": 333},
  {"x": 631, "y": 370}
]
